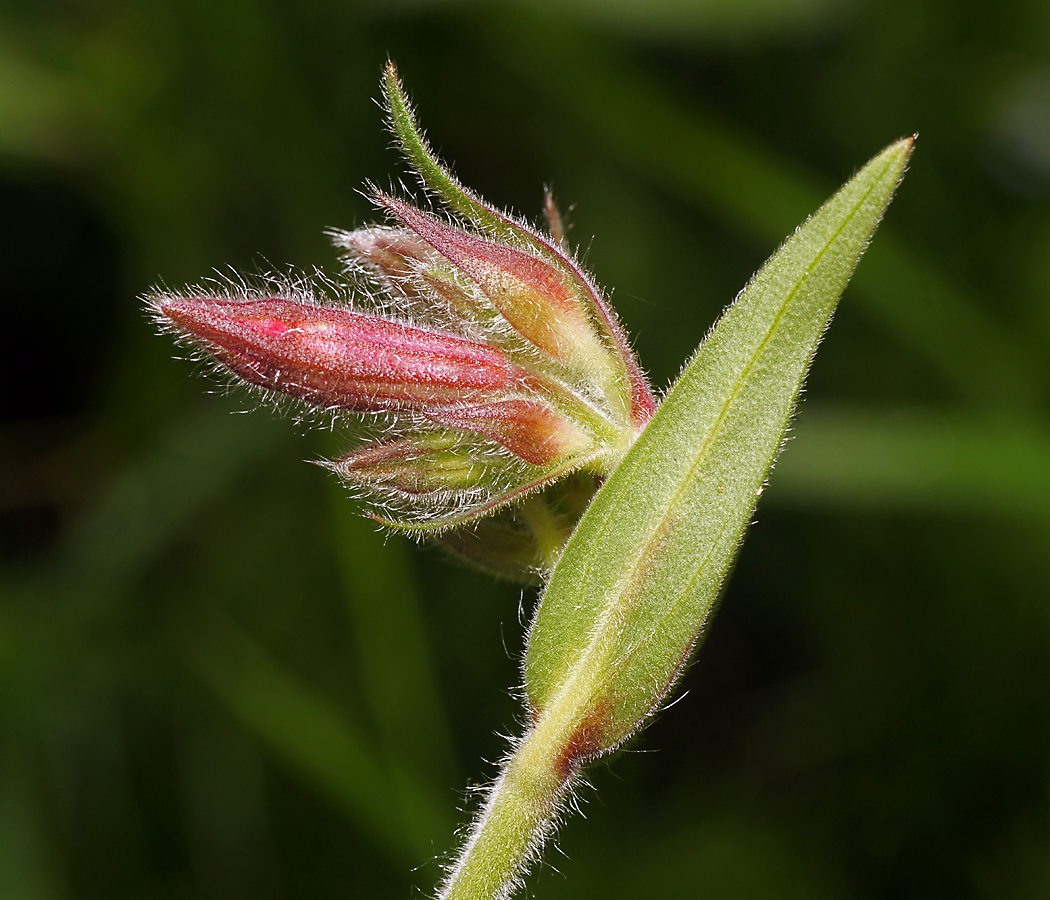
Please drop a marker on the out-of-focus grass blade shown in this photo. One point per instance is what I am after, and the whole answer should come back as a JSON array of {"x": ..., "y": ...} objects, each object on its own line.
[
  {"x": 640, "y": 575},
  {"x": 320, "y": 742},
  {"x": 395, "y": 661},
  {"x": 685, "y": 19},
  {"x": 34, "y": 104},
  {"x": 48, "y": 614},
  {"x": 914, "y": 460},
  {"x": 697, "y": 158},
  {"x": 26, "y": 870},
  {"x": 724, "y": 854},
  {"x": 390, "y": 639},
  {"x": 692, "y": 19},
  {"x": 148, "y": 502}
]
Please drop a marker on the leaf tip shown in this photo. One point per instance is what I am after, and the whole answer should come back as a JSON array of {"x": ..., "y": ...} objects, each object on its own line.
[{"x": 902, "y": 150}]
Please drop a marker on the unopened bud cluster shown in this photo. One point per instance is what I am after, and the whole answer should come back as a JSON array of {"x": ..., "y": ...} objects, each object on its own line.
[{"x": 492, "y": 365}]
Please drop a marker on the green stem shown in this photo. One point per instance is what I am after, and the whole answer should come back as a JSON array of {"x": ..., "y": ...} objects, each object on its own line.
[
  {"x": 520, "y": 811},
  {"x": 550, "y": 538}
]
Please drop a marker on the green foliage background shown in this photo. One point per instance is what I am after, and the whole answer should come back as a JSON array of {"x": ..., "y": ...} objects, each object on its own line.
[{"x": 216, "y": 680}]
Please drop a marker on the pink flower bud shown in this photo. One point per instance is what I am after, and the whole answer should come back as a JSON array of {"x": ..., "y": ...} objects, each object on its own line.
[
  {"x": 497, "y": 368},
  {"x": 530, "y": 430},
  {"x": 405, "y": 264},
  {"x": 394, "y": 254},
  {"x": 342, "y": 359},
  {"x": 416, "y": 466},
  {"x": 539, "y": 301}
]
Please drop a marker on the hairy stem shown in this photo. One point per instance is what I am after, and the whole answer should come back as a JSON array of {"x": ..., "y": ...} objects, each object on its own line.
[
  {"x": 520, "y": 811},
  {"x": 550, "y": 537}
]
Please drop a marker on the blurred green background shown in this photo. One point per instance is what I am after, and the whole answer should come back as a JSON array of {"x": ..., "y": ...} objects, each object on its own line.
[{"x": 216, "y": 679}]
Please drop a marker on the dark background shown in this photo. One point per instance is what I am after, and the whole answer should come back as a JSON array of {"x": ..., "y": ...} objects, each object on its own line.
[{"x": 217, "y": 681}]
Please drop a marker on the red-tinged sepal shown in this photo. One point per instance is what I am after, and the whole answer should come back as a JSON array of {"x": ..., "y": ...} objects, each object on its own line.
[
  {"x": 494, "y": 367},
  {"x": 444, "y": 464},
  {"x": 537, "y": 299},
  {"x": 530, "y": 429},
  {"x": 409, "y": 269},
  {"x": 555, "y": 223},
  {"x": 435, "y": 481},
  {"x": 341, "y": 359},
  {"x": 624, "y": 383}
]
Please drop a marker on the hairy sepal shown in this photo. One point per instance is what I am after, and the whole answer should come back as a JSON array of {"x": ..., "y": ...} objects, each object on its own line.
[{"x": 638, "y": 400}]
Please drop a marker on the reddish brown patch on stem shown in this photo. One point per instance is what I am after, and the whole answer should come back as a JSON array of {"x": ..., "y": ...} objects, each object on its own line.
[{"x": 588, "y": 739}]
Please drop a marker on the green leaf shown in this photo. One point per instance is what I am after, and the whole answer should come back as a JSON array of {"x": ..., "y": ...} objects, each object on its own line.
[{"x": 640, "y": 576}]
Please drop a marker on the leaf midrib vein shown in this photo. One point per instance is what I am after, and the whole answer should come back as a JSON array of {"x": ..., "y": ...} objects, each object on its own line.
[{"x": 615, "y": 610}]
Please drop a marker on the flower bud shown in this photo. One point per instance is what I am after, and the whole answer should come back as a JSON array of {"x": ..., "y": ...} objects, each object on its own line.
[
  {"x": 391, "y": 252},
  {"x": 539, "y": 301},
  {"x": 341, "y": 359},
  {"x": 420, "y": 465},
  {"x": 494, "y": 368},
  {"x": 529, "y": 429},
  {"x": 406, "y": 265}
]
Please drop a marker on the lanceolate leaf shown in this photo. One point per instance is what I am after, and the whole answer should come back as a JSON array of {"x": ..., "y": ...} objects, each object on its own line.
[{"x": 640, "y": 576}]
